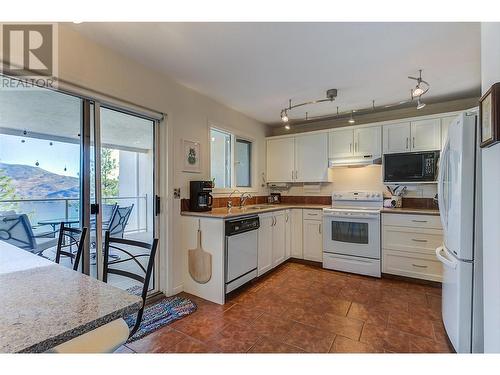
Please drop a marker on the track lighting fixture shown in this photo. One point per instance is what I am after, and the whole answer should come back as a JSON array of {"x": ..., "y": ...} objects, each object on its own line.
[{"x": 420, "y": 89}]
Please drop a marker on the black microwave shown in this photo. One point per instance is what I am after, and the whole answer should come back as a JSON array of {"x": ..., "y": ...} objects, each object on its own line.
[{"x": 411, "y": 167}]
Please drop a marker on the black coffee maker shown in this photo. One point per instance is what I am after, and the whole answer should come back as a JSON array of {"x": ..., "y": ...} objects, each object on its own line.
[{"x": 200, "y": 198}]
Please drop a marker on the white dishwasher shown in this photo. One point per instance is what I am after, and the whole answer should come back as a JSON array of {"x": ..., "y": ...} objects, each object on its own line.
[{"x": 241, "y": 251}]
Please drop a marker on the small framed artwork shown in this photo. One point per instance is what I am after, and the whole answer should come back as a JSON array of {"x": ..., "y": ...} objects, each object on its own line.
[
  {"x": 489, "y": 116},
  {"x": 191, "y": 155}
]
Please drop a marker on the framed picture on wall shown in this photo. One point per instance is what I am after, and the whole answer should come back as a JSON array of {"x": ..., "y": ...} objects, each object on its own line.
[
  {"x": 191, "y": 155},
  {"x": 489, "y": 116}
]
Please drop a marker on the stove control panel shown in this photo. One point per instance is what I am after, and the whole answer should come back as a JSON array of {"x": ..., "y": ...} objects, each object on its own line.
[{"x": 365, "y": 196}]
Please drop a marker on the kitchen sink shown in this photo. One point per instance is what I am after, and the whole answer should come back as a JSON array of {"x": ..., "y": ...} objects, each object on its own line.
[{"x": 262, "y": 207}]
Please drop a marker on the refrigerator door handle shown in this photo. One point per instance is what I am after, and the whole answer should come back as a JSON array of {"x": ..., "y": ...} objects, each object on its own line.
[
  {"x": 442, "y": 165},
  {"x": 448, "y": 263}
]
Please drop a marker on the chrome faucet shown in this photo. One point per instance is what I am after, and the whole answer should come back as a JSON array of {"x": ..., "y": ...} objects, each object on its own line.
[
  {"x": 243, "y": 198},
  {"x": 229, "y": 203}
]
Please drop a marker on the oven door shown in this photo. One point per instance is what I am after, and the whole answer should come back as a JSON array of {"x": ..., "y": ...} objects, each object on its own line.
[{"x": 351, "y": 235}]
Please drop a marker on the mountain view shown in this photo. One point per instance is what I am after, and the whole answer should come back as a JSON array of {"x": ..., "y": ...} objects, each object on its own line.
[{"x": 34, "y": 182}]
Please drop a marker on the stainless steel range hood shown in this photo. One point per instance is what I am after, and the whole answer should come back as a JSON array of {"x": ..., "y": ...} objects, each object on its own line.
[{"x": 355, "y": 161}]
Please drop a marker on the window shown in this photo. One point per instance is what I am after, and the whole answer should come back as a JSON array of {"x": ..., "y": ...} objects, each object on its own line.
[
  {"x": 230, "y": 160},
  {"x": 242, "y": 162}
]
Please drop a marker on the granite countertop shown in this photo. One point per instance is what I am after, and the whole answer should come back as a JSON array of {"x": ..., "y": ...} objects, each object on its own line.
[
  {"x": 414, "y": 211},
  {"x": 44, "y": 304},
  {"x": 223, "y": 213}
]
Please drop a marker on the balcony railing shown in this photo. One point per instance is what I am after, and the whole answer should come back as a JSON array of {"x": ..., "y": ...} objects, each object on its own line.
[{"x": 39, "y": 209}]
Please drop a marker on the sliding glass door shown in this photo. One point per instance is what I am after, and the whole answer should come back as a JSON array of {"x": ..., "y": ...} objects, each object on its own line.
[
  {"x": 125, "y": 152},
  {"x": 67, "y": 159}
]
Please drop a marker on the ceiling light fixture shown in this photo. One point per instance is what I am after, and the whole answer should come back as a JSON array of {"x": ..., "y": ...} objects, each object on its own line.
[
  {"x": 422, "y": 86},
  {"x": 287, "y": 127}
]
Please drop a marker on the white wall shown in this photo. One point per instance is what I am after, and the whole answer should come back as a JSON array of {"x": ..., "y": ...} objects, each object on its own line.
[
  {"x": 367, "y": 178},
  {"x": 490, "y": 73},
  {"x": 86, "y": 63}
]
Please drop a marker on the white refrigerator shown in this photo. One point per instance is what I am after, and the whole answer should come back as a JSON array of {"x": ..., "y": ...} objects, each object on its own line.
[{"x": 460, "y": 254}]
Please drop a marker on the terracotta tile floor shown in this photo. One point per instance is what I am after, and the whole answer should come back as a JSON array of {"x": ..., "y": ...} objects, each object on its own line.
[{"x": 300, "y": 308}]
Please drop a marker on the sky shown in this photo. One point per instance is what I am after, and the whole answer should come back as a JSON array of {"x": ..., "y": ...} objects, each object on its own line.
[{"x": 51, "y": 158}]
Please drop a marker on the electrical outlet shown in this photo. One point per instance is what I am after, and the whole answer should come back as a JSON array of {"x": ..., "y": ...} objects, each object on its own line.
[{"x": 177, "y": 193}]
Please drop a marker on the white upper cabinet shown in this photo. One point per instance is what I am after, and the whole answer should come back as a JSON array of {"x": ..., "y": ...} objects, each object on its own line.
[
  {"x": 420, "y": 135},
  {"x": 280, "y": 159},
  {"x": 351, "y": 142},
  {"x": 311, "y": 158},
  {"x": 340, "y": 143},
  {"x": 426, "y": 135},
  {"x": 368, "y": 141},
  {"x": 303, "y": 158},
  {"x": 396, "y": 138}
]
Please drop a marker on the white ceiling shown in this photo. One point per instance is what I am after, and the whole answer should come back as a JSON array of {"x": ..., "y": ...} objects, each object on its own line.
[
  {"x": 256, "y": 67},
  {"x": 53, "y": 115}
]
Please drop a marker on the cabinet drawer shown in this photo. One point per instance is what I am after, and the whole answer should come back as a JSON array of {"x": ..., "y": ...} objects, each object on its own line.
[
  {"x": 425, "y": 267},
  {"x": 413, "y": 221},
  {"x": 310, "y": 214},
  {"x": 420, "y": 240}
]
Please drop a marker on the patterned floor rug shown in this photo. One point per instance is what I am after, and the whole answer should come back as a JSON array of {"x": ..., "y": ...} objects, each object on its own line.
[{"x": 159, "y": 314}]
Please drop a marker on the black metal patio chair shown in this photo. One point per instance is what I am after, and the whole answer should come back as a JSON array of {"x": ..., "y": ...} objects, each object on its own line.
[
  {"x": 68, "y": 239},
  {"x": 126, "y": 249}
]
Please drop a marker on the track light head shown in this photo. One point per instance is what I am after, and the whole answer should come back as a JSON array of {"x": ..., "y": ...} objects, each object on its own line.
[
  {"x": 351, "y": 120},
  {"x": 284, "y": 117},
  {"x": 420, "y": 104}
]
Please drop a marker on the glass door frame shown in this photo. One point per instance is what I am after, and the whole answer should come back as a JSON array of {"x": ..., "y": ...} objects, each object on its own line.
[{"x": 98, "y": 187}]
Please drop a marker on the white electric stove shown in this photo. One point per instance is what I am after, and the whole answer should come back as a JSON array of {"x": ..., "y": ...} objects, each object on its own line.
[{"x": 351, "y": 236}]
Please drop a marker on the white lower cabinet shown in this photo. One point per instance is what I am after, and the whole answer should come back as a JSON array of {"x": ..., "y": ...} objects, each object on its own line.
[
  {"x": 265, "y": 251},
  {"x": 288, "y": 233},
  {"x": 296, "y": 250},
  {"x": 279, "y": 240},
  {"x": 409, "y": 243},
  {"x": 313, "y": 237},
  {"x": 272, "y": 241}
]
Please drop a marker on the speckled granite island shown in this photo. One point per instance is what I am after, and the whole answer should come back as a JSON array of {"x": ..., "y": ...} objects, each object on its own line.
[{"x": 43, "y": 304}]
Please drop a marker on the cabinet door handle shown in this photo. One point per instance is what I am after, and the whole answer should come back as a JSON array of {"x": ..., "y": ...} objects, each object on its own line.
[
  {"x": 407, "y": 143},
  {"x": 319, "y": 229},
  {"x": 417, "y": 240},
  {"x": 419, "y": 266},
  {"x": 350, "y": 147},
  {"x": 292, "y": 174},
  {"x": 286, "y": 218},
  {"x": 419, "y": 221},
  {"x": 413, "y": 142}
]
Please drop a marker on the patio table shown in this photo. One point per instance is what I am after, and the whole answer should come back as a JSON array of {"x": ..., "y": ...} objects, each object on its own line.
[{"x": 54, "y": 223}]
